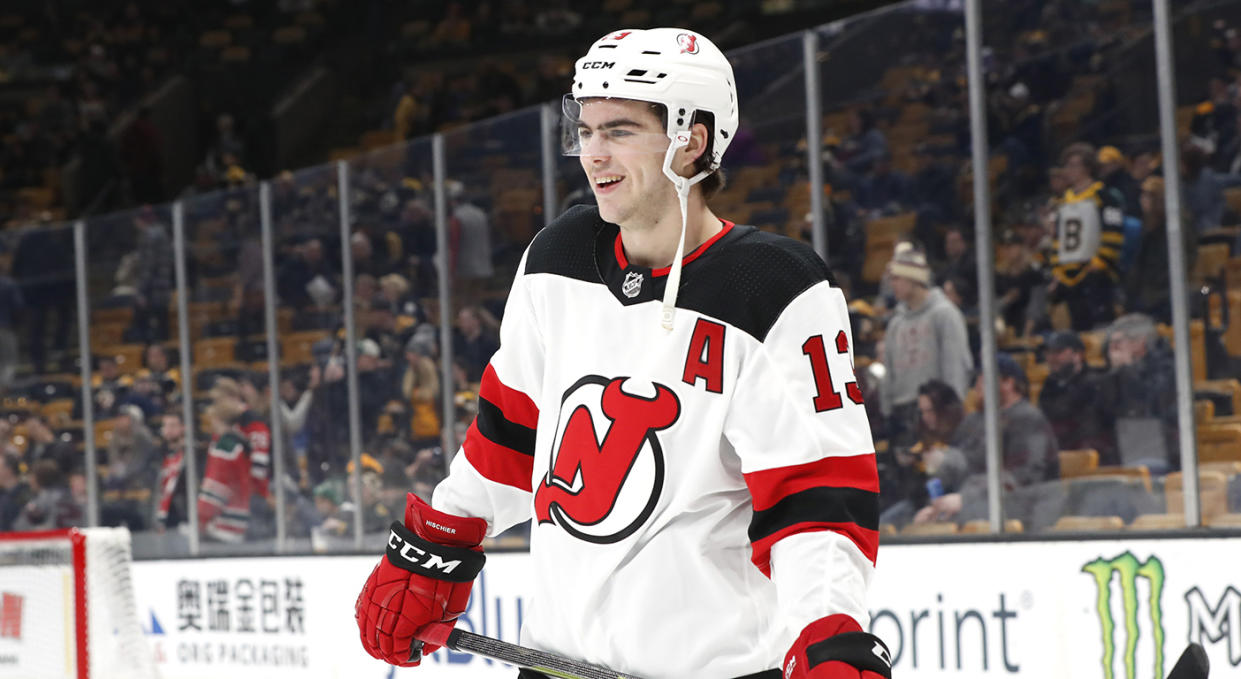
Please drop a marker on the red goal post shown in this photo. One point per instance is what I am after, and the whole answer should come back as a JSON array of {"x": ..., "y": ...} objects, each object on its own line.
[{"x": 67, "y": 606}]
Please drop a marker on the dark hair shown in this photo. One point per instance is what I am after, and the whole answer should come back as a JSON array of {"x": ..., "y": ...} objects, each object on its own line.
[
  {"x": 1087, "y": 154},
  {"x": 47, "y": 474},
  {"x": 714, "y": 182},
  {"x": 948, "y": 408},
  {"x": 13, "y": 464}
]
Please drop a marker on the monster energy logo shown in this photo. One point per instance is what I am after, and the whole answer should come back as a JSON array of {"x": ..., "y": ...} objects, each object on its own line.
[{"x": 1128, "y": 570}]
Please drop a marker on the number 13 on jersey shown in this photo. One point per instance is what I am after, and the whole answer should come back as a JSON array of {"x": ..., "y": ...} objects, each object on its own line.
[{"x": 827, "y": 397}]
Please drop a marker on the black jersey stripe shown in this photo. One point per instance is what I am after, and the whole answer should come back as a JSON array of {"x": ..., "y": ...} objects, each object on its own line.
[
  {"x": 500, "y": 430},
  {"x": 822, "y": 504}
]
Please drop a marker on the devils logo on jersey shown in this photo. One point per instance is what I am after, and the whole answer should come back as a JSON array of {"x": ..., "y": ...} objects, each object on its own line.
[{"x": 607, "y": 466}]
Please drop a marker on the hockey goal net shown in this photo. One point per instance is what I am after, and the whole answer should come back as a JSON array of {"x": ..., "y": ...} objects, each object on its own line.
[{"x": 67, "y": 607}]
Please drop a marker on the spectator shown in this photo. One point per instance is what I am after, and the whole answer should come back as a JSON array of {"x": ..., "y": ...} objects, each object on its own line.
[
  {"x": 394, "y": 294},
  {"x": 960, "y": 265},
  {"x": 1019, "y": 285},
  {"x": 11, "y": 306},
  {"x": 14, "y": 491},
  {"x": 51, "y": 505},
  {"x": 44, "y": 445},
  {"x": 142, "y": 150},
  {"x": 294, "y": 408},
  {"x": 1139, "y": 391},
  {"x": 885, "y": 190},
  {"x": 334, "y": 519},
  {"x": 471, "y": 237},
  {"x": 420, "y": 386},
  {"x": 110, "y": 388},
  {"x": 471, "y": 344},
  {"x": 1028, "y": 446},
  {"x": 1089, "y": 237},
  {"x": 375, "y": 383},
  {"x": 925, "y": 340},
  {"x": 254, "y": 425},
  {"x": 1071, "y": 399},
  {"x": 154, "y": 277},
  {"x": 170, "y": 493},
  {"x": 1146, "y": 164},
  {"x": 366, "y": 261},
  {"x": 428, "y": 466},
  {"x": 1148, "y": 281},
  {"x": 131, "y": 471},
  {"x": 934, "y": 465},
  {"x": 867, "y": 144},
  {"x": 47, "y": 280},
  {"x": 1204, "y": 191},
  {"x": 227, "y": 151},
  {"x": 224, "y": 496},
  {"x": 249, "y": 296},
  {"x": 1114, "y": 173},
  {"x": 405, "y": 117},
  {"x": 156, "y": 368},
  {"x": 306, "y": 279},
  {"x": 365, "y": 290}
]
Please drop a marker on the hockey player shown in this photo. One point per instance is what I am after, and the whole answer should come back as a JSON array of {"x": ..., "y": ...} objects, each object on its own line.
[{"x": 683, "y": 429}]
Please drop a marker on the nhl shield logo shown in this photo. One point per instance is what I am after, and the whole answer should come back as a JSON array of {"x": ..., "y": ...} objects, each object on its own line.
[{"x": 632, "y": 285}]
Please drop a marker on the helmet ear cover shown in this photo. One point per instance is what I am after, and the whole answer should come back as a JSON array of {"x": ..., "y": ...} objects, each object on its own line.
[{"x": 707, "y": 161}]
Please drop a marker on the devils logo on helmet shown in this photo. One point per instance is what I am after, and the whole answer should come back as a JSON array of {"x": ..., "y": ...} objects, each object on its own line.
[{"x": 688, "y": 43}]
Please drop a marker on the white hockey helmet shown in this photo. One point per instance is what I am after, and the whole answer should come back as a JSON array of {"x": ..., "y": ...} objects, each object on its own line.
[{"x": 675, "y": 67}]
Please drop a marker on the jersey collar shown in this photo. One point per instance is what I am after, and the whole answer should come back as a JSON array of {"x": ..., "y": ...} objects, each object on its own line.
[
  {"x": 623, "y": 262},
  {"x": 1071, "y": 197},
  {"x": 632, "y": 284}
]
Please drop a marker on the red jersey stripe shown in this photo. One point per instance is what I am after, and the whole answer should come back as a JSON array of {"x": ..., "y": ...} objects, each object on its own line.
[
  {"x": 769, "y": 486},
  {"x": 496, "y": 462},
  {"x": 517, "y": 407}
]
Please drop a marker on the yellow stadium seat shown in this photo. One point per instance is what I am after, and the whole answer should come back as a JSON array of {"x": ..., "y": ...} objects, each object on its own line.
[
  {"x": 981, "y": 526},
  {"x": 1088, "y": 523},
  {"x": 1158, "y": 522},
  {"x": 931, "y": 528},
  {"x": 1219, "y": 442},
  {"x": 1212, "y": 493},
  {"x": 1078, "y": 463}
]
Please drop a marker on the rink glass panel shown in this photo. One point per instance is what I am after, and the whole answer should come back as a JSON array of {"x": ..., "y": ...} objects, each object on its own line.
[{"x": 392, "y": 204}]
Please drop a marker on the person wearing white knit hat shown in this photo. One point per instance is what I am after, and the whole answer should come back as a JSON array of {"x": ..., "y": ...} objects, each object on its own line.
[{"x": 925, "y": 340}]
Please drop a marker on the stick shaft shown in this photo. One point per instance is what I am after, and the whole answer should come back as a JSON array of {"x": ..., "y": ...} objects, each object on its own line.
[{"x": 540, "y": 661}]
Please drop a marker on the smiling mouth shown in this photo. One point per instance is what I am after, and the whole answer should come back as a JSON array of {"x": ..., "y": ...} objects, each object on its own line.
[{"x": 607, "y": 183}]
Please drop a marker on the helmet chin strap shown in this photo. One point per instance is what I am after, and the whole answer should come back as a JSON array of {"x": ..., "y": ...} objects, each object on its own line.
[{"x": 682, "y": 184}]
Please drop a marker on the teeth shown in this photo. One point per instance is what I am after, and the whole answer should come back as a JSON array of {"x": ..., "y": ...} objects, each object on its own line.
[{"x": 607, "y": 180}]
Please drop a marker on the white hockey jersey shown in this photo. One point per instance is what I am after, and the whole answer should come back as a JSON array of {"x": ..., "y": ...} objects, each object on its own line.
[{"x": 697, "y": 496}]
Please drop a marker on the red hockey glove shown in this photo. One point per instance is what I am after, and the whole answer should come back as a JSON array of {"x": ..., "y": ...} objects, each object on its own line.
[
  {"x": 425, "y": 578},
  {"x": 835, "y": 647}
]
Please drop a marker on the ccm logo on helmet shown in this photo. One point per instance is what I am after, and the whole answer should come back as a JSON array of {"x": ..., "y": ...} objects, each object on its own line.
[
  {"x": 418, "y": 557},
  {"x": 598, "y": 64}
]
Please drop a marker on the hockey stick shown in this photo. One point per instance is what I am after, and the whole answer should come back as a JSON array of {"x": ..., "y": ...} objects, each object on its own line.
[
  {"x": 1193, "y": 664},
  {"x": 540, "y": 661}
]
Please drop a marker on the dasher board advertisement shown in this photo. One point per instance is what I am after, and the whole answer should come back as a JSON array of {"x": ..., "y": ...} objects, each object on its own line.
[{"x": 1105, "y": 609}]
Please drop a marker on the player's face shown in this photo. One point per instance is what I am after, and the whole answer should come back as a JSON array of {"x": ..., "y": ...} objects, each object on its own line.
[{"x": 622, "y": 154}]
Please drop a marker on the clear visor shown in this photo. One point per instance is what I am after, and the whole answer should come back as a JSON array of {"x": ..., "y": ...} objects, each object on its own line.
[{"x": 603, "y": 126}]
